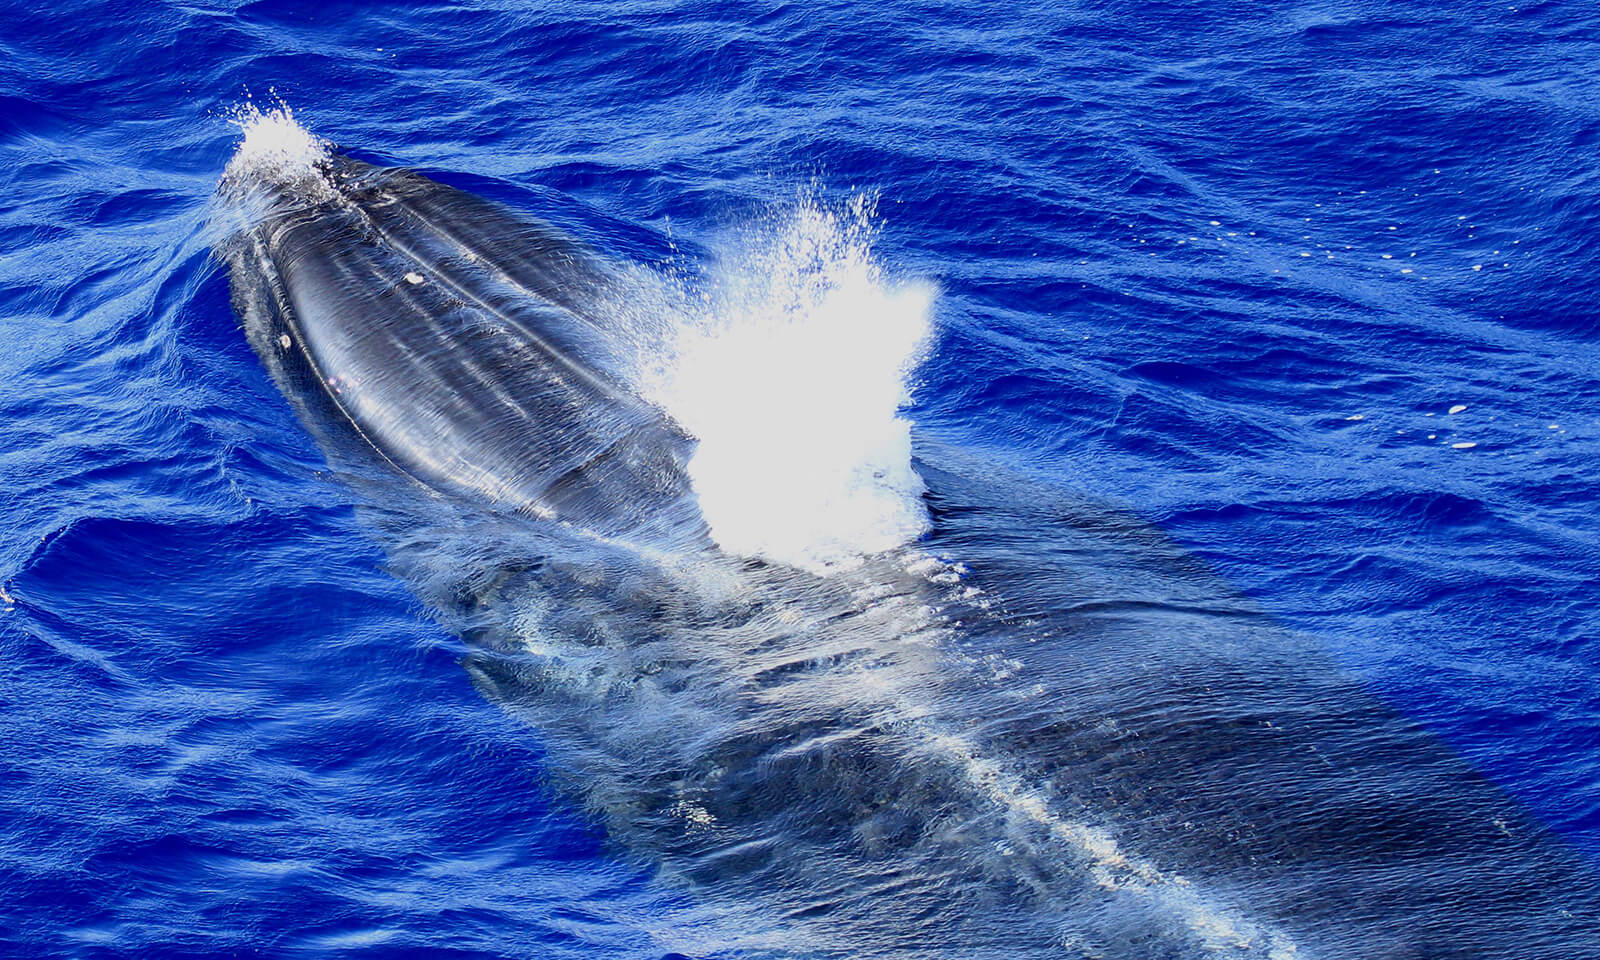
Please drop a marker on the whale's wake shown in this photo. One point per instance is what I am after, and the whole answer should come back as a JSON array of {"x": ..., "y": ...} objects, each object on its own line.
[{"x": 677, "y": 521}]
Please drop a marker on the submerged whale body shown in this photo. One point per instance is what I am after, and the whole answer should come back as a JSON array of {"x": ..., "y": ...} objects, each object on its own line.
[{"x": 1094, "y": 749}]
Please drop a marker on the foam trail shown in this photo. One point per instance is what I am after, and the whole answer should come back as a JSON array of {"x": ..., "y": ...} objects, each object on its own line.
[
  {"x": 1220, "y": 929},
  {"x": 794, "y": 383}
]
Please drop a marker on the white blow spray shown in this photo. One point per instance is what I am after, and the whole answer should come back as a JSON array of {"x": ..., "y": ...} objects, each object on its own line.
[
  {"x": 794, "y": 382},
  {"x": 277, "y": 149}
]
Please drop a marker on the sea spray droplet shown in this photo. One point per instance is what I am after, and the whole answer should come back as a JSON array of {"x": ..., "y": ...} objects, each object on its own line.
[
  {"x": 793, "y": 384},
  {"x": 277, "y": 149}
]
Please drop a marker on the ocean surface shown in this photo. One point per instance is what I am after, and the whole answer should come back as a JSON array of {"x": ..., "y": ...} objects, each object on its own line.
[{"x": 1196, "y": 368}]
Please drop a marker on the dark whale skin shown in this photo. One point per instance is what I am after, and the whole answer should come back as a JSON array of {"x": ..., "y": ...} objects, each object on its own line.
[{"x": 463, "y": 347}]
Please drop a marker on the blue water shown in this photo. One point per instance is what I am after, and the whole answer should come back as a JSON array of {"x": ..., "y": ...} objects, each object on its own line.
[{"x": 1223, "y": 268}]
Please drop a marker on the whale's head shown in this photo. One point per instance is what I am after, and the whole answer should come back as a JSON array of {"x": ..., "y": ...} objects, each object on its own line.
[{"x": 421, "y": 328}]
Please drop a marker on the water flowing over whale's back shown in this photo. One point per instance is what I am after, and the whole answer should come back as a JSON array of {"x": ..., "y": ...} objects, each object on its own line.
[{"x": 1082, "y": 746}]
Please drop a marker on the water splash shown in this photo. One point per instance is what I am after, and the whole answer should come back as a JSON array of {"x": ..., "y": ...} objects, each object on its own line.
[
  {"x": 277, "y": 149},
  {"x": 794, "y": 382}
]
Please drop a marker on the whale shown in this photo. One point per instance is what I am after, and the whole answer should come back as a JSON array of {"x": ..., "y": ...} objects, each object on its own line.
[{"x": 1042, "y": 730}]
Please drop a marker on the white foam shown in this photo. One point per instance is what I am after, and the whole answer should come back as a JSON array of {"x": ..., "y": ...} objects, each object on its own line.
[{"x": 793, "y": 382}]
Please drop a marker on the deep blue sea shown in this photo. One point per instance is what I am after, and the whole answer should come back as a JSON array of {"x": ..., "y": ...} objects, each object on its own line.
[{"x": 1244, "y": 350}]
